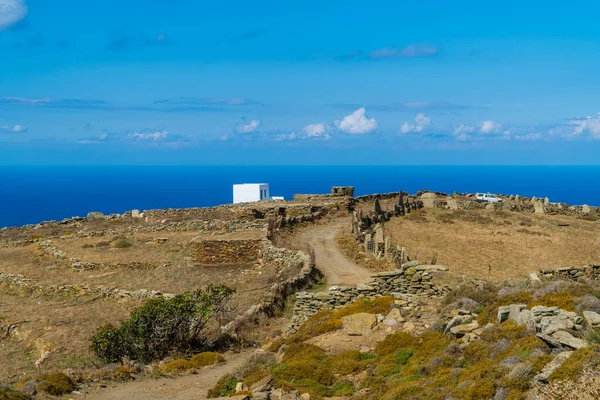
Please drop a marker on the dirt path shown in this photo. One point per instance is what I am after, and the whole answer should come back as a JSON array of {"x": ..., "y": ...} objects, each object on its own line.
[
  {"x": 330, "y": 260},
  {"x": 180, "y": 388}
]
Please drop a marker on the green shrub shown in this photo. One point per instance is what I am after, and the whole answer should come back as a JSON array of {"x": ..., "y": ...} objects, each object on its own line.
[
  {"x": 395, "y": 342},
  {"x": 574, "y": 366},
  {"x": 593, "y": 337},
  {"x": 206, "y": 358},
  {"x": 224, "y": 387},
  {"x": 161, "y": 327},
  {"x": 55, "y": 384}
]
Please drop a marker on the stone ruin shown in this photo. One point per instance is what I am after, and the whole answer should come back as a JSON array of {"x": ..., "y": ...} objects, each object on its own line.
[
  {"x": 342, "y": 191},
  {"x": 369, "y": 231}
]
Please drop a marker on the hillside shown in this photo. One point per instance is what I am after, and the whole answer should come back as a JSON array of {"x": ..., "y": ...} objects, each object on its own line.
[{"x": 498, "y": 294}]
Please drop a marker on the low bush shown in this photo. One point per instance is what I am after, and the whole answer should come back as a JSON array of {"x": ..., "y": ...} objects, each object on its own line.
[
  {"x": 224, "y": 387},
  {"x": 395, "y": 342},
  {"x": 206, "y": 358},
  {"x": 177, "y": 367},
  {"x": 561, "y": 299},
  {"x": 255, "y": 368},
  {"x": 55, "y": 384},
  {"x": 161, "y": 327},
  {"x": 588, "y": 357},
  {"x": 8, "y": 394}
]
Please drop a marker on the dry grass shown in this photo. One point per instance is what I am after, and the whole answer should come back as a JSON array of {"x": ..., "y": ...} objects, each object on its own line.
[{"x": 497, "y": 245}]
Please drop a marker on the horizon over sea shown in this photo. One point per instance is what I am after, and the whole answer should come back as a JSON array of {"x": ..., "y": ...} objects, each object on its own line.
[{"x": 42, "y": 193}]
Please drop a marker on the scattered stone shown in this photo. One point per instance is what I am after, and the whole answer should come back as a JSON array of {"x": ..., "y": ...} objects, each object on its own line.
[
  {"x": 359, "y": 324},
  {"x": 263, "y": 385},
  {"x": 592, "y": 318},
  {"x": 569, "y": 340},
  {"x": 135, "y": 213},
  {"x": 552, "y": 366},
  {"x": 461, "y": 330},
  {"x": 29, "y": 388}
]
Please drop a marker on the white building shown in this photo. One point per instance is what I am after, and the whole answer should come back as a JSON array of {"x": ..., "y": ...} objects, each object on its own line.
[{"x": 248, "y": 192}]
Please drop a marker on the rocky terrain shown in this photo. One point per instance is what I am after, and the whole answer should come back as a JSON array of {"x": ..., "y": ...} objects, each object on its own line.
[{"x": 330, "y": 301}]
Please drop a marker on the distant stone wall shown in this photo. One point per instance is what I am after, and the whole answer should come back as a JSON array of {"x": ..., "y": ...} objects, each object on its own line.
[
  {"x": 415, "y": 281},
  {"x": 570, "y": 273},
  {"x": 21, "y": 282},
  {"x": 222, "y": 251}
]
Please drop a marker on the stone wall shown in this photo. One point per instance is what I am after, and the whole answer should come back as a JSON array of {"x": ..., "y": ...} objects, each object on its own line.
[
  {"x": 21, "y": 282},
  {"x": 206, "y": 252},
  {"x": 570, "y": 273},
  {"x": 411, "y": 281},
  {"x": 276, "y": 296}
]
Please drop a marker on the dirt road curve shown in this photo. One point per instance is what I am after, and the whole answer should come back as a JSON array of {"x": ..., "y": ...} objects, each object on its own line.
[
  {"x": 330, "y": 260},
  {"x": 180, "y": 388}
]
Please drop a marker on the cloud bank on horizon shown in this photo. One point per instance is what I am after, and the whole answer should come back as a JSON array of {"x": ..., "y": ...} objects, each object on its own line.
[{"x": 439, "y": 82}]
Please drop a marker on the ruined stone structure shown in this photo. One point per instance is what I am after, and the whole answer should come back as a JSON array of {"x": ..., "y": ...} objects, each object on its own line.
[
  {"x": 342, "y": 191},
  {"x": 369, "y": 229},
  {"x": 405, "y": 284}
]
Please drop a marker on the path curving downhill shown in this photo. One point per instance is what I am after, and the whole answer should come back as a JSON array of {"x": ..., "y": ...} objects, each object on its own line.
[{"x": 330, "y": 260}]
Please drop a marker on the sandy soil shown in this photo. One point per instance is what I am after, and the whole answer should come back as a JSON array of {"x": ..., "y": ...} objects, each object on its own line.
[{"x": 186, "y": 387}]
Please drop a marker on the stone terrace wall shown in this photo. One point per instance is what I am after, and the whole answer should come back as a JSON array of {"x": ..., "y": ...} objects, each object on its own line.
[
  {"x": 570, "y": 273},
  {"x": 226, "y": 251},
  {"x": 410, "y": 281}
]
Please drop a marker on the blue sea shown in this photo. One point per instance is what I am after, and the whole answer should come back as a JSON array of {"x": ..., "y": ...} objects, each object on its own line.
[{"x": 35, "y": 194}]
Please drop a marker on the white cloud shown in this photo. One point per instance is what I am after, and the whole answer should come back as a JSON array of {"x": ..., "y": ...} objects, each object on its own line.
[
  {"x": 421, "y": 122},
  {"x": 14, "y": 129},
  {"x": 287, "y": 136},
  {"x": 357, "y": 123},
  {"x": 152, "y": 136},
  {"x": 247, "y": 127},
  {"x": 11, "y": 12},
  {"x": 589, "y": 125},
  {"x": 316, "y": 131},
  {"x": 490, "y": 127}
]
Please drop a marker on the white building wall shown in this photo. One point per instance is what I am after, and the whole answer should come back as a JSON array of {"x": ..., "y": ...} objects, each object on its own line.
[{"x": 249, "y": 192}]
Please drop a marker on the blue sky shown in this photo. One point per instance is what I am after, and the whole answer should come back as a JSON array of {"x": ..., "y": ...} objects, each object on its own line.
[{"x": 299, "y": 82}]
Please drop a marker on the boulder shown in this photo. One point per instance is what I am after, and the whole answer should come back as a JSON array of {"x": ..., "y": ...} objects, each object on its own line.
[
  {"x": 552, "y": 366},
  {"x": 592, "y": 318},
  {"x": 514, "y": 310},
  {"x": 264, "y": 385},
  {"x": 525, "y": 318},
  {"x": 535, "y": 280},
  {"x": 359, "y": 324},
  {"x": 29, "y": 388},
  {"x": 135, "y": 213},
  {"x": 585, "y": 209},
  {"x": 92, "y": 216},
  {"x": 539, "y": 207},
  {"x": 550, "y": 341},
  {"x": 241, "y": 387},
  {"x": 395, "y": 315},
  {"x": 428, "y": 199},
  {"x": 461, "y": 330},
  {"x": 569, "y": 340}
]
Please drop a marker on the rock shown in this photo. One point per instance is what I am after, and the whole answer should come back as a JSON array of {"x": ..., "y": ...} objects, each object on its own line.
[
  {"x": 456, "y": 321},
  {"x": 428, "y": 199},
  {"x": 410, "y": 264},
  {"x": 535, "y": 280},
  {"x": 461, "y": 330},
  {"x": 241, "y": 387},
  {"x": 264, "y": 385},
  {"x": 359, "y": 324},
  {"x": 135, "y": 213},
  {"x": 592, "y": 318},
  {"x": 585, "y": 209},
  {"x": 514, "y": 310},
  {"x": 235, "y": 397},
  {"x": 539, "y": 207},
  {"x": 92, "y": 216},
  {"x": 29, "y": 388},
  {"x": 395, "y": 315},
  {"x": 552, "y": 342},
  {"x": 552, "y": 366},
  {"x": 431, "y": 268},
  {"x": 569, "y": 340},
  {"x": 525, "y": 317},
  {"x": 305, "y": 396}
]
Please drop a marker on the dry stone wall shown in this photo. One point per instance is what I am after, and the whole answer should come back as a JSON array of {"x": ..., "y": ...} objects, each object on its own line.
[
  {"x": 21, "y": 282},
  {"x": 406, "y": 283},
  {"x": 570, "y": 273}
]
